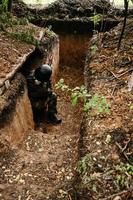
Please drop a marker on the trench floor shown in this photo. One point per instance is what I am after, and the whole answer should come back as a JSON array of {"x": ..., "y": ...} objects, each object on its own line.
[{"x": 43, "y": 167}]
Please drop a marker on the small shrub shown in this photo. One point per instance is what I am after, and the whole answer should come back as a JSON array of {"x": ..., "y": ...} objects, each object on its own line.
[{"x": 96, "y": 102}]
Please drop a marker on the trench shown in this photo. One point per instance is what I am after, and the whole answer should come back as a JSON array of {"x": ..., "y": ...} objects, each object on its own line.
[
  {"x": 72, "y": 54},
  {"x": 46, "y": 160},
  {"x": 73, "y": 48},
  {"x": 45, "y": 164},
  {"x": 44, "y": 167}
]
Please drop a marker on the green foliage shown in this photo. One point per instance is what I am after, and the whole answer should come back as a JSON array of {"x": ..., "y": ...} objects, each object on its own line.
[
  {"x": 7, "y": 20},
  {"x": 121, "y": 181},
  {"x": 4, "y": 5},
  {"x": 84, "y": 168},
  {"x": 123, "y": 170},
  {"x": 93, "y": 49},
  {"x": 129, "y": 169},
  {"x": 48, "y": 32},
  {"x": 27, "y": 36},
  {"x": 84, "y": 164},
  {"x": 120, "y": 175},
  {"x": 96, "y": 19},
  {"x": 99, "y": 103},
  {"x": 96, "y": 103}
]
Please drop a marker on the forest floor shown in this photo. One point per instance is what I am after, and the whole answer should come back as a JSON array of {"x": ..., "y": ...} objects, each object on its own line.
[{"x": 106, "y": 167}]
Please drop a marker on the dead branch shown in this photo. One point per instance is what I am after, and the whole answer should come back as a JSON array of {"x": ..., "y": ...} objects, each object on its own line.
[
  {"x": 122, "y": 152},
  {"x": 124, "y": 73},
  {"x": 118, "y": 77},
  {"x": 118, "y": 194},
  {"x": 114, "y": 88},
  {"x": 69, "y": 196},
  {"x": 114, "y": 75},
  {"x": 126, "y": 145}
]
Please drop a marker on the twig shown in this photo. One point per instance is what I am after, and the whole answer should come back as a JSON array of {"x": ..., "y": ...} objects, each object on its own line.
[
  {"x": 113, "y": 75},
  {"x": 121, "y": 151},
  {"x": 128, "y": 195},
  {"x": 118, "y": 77},
  {"x": 125, "y": 147},
  {"x": 114, "y": 195},
  {"x": 114, "y": 88},
  {"x": 124, "y": 73},
  {"x": 19, "y": 198},
  {"x": 69, "y": 196}
]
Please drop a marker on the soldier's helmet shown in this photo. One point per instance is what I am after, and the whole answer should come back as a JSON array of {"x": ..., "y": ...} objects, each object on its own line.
[{"x": 43, "y": 73}]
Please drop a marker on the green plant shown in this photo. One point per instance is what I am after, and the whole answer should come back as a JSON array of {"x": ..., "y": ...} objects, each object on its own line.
[
  {"x": 93, "y": 49},
  {"x": 121, "y": 181},
  {"x": 99, "y": 103},
  {"x": 95, "y": 102},
  {"x": 123, "y": 172},
  {"x": 84, "y": 164},
  {"x": 4, "y": 6},
  {"x": 84, "y": 169},
  {"x": 129, "y": 169},
  {"x": 27, "y": 36},
  {"x": 96, "y": 18},
  {"x": 7, "y": 20}
]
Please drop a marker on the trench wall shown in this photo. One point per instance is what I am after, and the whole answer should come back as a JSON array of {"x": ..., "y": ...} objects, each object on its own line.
[
  {"x": 16, "y": 117},
  {"x": 20, "y": 121},
  {"x": 52, "y": 58}
]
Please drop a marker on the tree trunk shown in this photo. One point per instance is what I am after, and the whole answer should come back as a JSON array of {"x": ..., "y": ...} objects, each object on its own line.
[
  {"x": 126, "y": 2},
  {"x": 9, "y": 8}
]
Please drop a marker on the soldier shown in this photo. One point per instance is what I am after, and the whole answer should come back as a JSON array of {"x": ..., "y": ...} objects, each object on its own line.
[{"x": 41, "y": 94}]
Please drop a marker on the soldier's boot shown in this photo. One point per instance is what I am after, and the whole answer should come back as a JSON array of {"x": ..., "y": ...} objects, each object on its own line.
[
  {"x": 51, "y": 114},
  {"x": 52, "y": 118}
]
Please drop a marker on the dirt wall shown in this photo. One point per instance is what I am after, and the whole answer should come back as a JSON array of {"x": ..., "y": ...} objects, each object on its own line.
[
  {"x": 18, "y": 118},
  {"x": 52, "y": 58}
]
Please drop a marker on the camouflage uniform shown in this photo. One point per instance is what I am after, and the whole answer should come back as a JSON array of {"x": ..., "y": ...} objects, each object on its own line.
[{"x": 41, "y": 95}]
